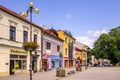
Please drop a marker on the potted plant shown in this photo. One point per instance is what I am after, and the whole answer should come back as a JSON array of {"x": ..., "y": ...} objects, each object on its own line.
[
  {"x": 61, "y": 56},
  {"x": 30, "y": 46},
  {"x": 79, "y": 66},
  {"x": 60, "y": 72}
]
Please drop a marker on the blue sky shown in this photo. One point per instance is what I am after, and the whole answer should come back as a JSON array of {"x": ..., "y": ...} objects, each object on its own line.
[{"x": 86, "y": 19}]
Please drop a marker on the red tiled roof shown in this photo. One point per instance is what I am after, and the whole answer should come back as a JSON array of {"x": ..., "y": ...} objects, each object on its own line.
[
  {"x": 18, "y": 16},
  {"x": 49, "y": 33},
  {"x": 78, "y": 49}
]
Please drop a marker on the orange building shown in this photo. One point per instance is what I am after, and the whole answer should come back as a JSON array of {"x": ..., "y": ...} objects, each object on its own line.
[{"x": 78, "y": 56}]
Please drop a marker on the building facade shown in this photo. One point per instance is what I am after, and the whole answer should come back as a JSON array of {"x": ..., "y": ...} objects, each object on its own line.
[
  {"x": 78, "y": 53},
  {"x": 52, "y": 46},
  {"x": 81, "y": 52},
  {"x": 14, "y": 31},
  {"x": 68, "y": 48}
]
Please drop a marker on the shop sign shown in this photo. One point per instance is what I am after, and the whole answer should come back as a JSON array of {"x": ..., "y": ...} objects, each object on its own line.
[
  {"x": 46, "y": 56},
  {"x": 18, "y": 51}
]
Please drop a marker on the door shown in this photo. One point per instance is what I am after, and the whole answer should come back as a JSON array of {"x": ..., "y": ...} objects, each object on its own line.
[
  {"x": 53, "y": 64},
  {"x": 34, "y": 64},
  {"x": 12, "y": 71}
]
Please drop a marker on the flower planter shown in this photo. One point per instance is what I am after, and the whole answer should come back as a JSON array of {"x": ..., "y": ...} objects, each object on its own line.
[
  {"x": 79, "y": 68},
  {"x": 30, "y": 46},
  {"x": 60, "y": 72}
]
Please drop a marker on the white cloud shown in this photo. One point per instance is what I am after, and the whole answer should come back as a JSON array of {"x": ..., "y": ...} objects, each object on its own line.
[
  {"x": 97, "y": 32},
  {"x": 93, "y": 35},
  {"x": 89, "y": 32},
  {"x": 85, "y": 40},
  {"x": 69, "y": 16}
]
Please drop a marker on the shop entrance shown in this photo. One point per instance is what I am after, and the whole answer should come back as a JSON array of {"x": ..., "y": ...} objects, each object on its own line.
[
  {"x": 53, "y": 64},
  {"x": 18, "y": 64},
  {"x": 45, "y": 64},
  {"x": 34, "y": 64},
  {"x": 11, "y": 66}
]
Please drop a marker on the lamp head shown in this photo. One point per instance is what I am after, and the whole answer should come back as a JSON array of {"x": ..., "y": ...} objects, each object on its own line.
[
  {"x": 24, "y": 14},
  {"x": 31, "y": 4},
  {"x": 36, "y": 10}
]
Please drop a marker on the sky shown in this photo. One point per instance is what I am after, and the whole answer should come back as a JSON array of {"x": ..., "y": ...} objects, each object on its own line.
[{"x": 85, "y": 19}]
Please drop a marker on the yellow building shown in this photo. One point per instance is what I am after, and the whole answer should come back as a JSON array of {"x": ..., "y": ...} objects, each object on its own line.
[{"x": 68, "y": 47}]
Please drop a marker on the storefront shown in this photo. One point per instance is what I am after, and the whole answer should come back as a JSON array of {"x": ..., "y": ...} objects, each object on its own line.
[
  {"x": 56, "y": 61},
  {"x": 71, "y": 63},
  {"x": 78, "y": 62},
  {"x": 45, "y": 62},
  {"x": 18, "y": 62},
  {"x": 66, "y": 62}
]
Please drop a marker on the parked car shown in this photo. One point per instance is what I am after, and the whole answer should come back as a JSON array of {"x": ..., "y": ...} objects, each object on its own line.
[{"x": 107, "y": 64}]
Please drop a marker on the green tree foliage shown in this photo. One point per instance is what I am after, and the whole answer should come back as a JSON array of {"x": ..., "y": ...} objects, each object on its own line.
[{"x": 108, "y": 46}]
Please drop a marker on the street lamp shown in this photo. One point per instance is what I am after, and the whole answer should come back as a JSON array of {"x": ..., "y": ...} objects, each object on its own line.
[{"x": 25, "y": 14}]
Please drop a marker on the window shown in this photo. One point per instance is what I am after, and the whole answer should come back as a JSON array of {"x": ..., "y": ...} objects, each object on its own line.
[
  {"x": 12, "y": 33},
  {"x": 72, "y": 42},
  {"x": 66, "y": 40},
  {"x": 35, "y": 38},
  {"x": 58, "y": 48},
  {"x": 69, "y": 41},
  {"x": 66, "y": 51},
  {"x": 48, "y": 45},
  {"x": 25, "y": 36}
]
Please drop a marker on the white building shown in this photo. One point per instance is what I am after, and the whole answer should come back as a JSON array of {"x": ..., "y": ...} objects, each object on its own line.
[{"x": 14, "y": 30}]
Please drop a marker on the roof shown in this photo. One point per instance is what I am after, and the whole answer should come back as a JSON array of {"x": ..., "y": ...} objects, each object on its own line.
[
  {"x": 18, "y": 16},
  {"x": 80, "y": 45},
  {"x": 78, "y": 49},
  {"x": 53, "y": 33},
  {"x": 68, "y": 33}
]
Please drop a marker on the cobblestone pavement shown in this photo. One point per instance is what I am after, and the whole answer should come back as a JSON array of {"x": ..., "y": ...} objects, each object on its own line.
[
  {"x": 48, "y": 75},
  {"x": 98, "y": 73}
]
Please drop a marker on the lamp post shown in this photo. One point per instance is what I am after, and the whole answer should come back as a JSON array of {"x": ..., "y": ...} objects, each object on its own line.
[{"x": 25, "y": 14}]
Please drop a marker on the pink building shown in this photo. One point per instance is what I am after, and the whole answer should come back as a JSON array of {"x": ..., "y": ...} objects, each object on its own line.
[{"x": 52, "y": 46}]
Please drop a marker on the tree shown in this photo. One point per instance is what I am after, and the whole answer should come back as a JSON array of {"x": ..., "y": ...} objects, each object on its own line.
[
  {"x": 114, "y": 54},
  {"x": 108, "y": 46},
  {"x": 100, "y": 46},
  {"x": 61, "y": 56}
]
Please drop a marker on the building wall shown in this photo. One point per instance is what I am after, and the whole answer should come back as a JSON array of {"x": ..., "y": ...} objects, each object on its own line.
[
  {"x": 78, "y": 54},
  {"x": 66, "y": 61},
  {"x": 62, "y": 35},
  {"x": 53, "y": 53},
  {"x": 6, "y": 45},
  {"x": 54, "y": 44},
  {"x": 4, "y": 61},
  {"x": 20, "y": 26}
]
